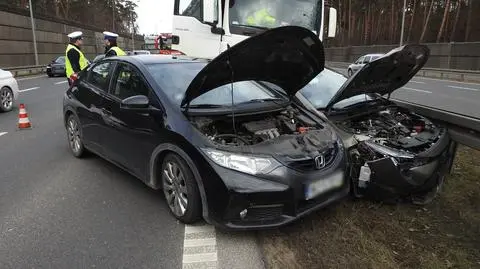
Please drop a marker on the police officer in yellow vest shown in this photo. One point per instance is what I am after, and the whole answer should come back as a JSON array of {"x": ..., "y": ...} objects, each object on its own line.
[
  {"x": 75, "y": 61},
  {"x": 111, "y": 48},
  {"x": 261, "y": 18}
]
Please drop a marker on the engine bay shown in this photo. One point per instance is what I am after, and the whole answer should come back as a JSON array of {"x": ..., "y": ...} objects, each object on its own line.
[
  {"x": 255, "y": 129},
  {"x": 395, "y": 128}
]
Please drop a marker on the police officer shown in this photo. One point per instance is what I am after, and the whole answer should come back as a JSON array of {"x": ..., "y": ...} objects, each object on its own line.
[
  {"x": 261, "y": 18},
  {"x": 75, "y": 61},
  {"x": 111, "y": 48}
]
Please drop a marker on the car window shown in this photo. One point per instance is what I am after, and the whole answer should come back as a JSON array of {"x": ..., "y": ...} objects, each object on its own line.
[
  {"x": 366, "y": 60},
  {"x": 374, "y": 58},
  {"x": 98, "y": 75},
  {"x": 128, "y": 82},
  {"x": 174, "y": 80},
  {"x": 323, "y": 88},
  {"x": 60, "y": 60},
  {"x": 360, "y": 60}
]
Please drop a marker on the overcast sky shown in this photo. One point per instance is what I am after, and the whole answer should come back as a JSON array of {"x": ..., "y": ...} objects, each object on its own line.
[{"x": 155, "y": 16}]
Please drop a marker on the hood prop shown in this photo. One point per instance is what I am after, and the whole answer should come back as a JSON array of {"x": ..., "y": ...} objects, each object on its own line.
[{"x": 231, "y": 85}]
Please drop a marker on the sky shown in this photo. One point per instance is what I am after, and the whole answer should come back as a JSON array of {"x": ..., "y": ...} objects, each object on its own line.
[{"x": 155, "y": 16}]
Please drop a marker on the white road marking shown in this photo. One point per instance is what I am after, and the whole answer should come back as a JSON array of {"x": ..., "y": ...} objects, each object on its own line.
[
  {"x": 27, "y": 78},
  {"x": 447, "y": 80},
  {"x": 419, "y": 82},
  {"x": 463, "y": 88},
  {"x": 3, "y": 133},
  {"x": 61, "y": 82},
  {"x": 199, "y": 247},
  {"x": 29, "y": 89},
  {"x": 417, "y": 90}
]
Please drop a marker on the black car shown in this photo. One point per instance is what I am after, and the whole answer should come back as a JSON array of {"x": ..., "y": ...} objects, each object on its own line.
[
  {"x": 395, "y": 155},
  {"x": 56, "y": 67},
  {"x": 262, "y": 162},
  {"x": 98, "y": 57}
]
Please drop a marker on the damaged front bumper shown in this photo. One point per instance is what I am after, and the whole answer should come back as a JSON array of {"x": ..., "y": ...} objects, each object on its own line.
[{"x": 393, "y": 180}]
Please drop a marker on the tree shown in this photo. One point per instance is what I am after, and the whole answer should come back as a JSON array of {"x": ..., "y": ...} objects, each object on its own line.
[{"x": 427, "y": 20}]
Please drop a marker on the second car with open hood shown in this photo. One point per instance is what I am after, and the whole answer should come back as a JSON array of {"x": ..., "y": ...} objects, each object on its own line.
[
  {"x": 225, "y": 139},
  {"x": 395, "y": 154}
]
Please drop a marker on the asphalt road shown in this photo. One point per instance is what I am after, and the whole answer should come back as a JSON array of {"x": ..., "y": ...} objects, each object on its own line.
[
  {"x": 459, "y": 97},
  {"x": 57, "y": 211}
]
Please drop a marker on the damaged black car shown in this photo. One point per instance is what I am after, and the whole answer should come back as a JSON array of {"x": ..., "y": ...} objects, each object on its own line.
[
  {"x": 394, "y": 154},
  {"x": 220, "y": 144}
]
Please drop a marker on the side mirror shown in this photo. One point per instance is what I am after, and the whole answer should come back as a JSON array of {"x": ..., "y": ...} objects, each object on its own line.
[
  {"x": 332, "y": 22},
  {"x": 137, "y": 102},
  {"x": 210, "y": 12}
]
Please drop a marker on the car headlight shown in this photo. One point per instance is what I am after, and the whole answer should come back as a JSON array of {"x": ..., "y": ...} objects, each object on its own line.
[
  {"x": 387, "y": 151},
  {"x": 243, "y": 163}
]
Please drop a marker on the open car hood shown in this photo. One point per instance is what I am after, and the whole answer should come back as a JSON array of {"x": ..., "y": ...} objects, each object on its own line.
[
  {"x": 386, "y": 74},
  {"x": 287, "y": 56}
]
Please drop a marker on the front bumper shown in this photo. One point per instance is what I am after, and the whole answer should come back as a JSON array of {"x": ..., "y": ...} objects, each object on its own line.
[
  {"x": 246, "y": 202},
  {"x": 392, "y": 181}
]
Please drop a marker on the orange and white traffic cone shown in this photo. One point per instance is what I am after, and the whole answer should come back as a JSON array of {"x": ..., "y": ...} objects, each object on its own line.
[{"x": 23, "y": 121}]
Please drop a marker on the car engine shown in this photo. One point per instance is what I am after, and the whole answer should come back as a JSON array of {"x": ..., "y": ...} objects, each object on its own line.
[
  {"x": 395, "y": 128},
  {"x": 255, "y": 129}
]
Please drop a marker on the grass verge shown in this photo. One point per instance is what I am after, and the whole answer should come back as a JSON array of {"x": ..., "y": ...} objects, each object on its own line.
[{"x": 361, "y": 234}]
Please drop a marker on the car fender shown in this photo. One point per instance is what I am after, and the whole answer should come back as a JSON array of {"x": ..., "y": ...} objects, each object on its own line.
[{"x": 152, "y": 180}]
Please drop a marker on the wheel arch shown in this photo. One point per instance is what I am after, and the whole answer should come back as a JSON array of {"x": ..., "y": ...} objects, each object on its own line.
[{"x": 156, "y": 161}]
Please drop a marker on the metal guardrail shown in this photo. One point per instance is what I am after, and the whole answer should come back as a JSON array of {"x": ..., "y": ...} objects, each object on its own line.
[
  {"x": 449, "y": 74},
  {"x": 26, "y": 70}
]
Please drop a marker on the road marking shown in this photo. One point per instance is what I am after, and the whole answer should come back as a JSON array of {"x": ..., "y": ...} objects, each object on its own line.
[
  {"x": 29, "y": 89},
  {"x": 199, "y": 247},
  {"x": 3, "y": 133},
  {"x": 419, "y": 82},
  {"x": 417, "y": 90},
  {"x": 448, "y": 80},
  {"x": 463, "y": 88},
  {"x": 20, "y": 79},
  {"x": 61, "y": 82}
]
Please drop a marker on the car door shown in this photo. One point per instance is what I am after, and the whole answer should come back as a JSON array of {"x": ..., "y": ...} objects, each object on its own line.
[
  {"x": 90, "y": 92},
  {"x": 132, "y": 134}
]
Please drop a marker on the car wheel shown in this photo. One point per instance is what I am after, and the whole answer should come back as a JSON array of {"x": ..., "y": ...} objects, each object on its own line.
[
  {"x": 180, "y": 189},
  {"x": 6, "y": 99},
  {"x": 74, "y": 133},
  {"x": 350, "y": 72},
  {"x": 427, "y": 197},
  {"x": 50, "y": 74}
]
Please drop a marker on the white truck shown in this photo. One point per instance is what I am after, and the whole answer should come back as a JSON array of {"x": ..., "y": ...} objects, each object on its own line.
[{"x": 205, "y": 28}]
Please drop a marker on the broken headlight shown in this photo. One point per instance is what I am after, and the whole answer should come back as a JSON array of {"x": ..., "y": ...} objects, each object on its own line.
[
  {"x": 243, "y": 163},
  {"x": 387, "y": 151}
]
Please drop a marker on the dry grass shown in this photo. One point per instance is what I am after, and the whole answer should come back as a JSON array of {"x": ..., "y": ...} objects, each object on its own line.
[{"x": 361, "y": 234}]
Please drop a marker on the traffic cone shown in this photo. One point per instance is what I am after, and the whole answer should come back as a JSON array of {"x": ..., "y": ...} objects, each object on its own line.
[{"x": 23, "y": 121}]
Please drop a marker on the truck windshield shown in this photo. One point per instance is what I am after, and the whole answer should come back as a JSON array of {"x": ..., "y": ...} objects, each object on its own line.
[{"x": 274, "y": 13}]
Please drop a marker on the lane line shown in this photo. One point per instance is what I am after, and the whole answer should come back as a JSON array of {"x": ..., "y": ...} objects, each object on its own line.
[
  {"x": 61, "y": 82},
  {"x": 28, "y": 78},
  {"x": 418, "y": 82},
  {"x": 417, "y": 90},
  {"x": 463, "y": 88},
  {"x": 29, "y": 89},
  {"x": 3, "y": 133},
  {"x": 199, "y": 247},
  {"x": 447, "y": 80}
]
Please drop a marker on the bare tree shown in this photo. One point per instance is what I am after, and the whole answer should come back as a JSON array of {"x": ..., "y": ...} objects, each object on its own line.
[
  {"x": 427, "y": 20},
  {"x": 457, "y": 17}
]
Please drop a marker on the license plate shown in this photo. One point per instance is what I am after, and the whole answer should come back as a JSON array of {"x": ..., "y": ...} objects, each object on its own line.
[{"x": 324, "y": 185}]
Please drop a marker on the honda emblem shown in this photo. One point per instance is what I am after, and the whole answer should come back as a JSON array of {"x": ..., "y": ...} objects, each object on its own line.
[{"x": 319, "y": 162}]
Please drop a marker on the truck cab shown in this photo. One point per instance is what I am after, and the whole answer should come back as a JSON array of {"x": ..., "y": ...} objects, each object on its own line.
[{"x": 206, "y": 28}]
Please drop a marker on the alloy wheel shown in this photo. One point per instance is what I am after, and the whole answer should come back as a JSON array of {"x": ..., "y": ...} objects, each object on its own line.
[
  {"x": 6, "y": 99},
  {"x": 175, "y": 188},
  {"x": 74, "y": 135}
]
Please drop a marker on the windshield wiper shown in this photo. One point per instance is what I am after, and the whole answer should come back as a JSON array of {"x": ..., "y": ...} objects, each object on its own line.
[
  {"x": 205, "y": 106},
  {"x": 265, "y": 100}
]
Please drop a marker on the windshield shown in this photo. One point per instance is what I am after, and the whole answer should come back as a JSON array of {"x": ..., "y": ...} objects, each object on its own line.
[
  {"x": 174, "y": 79},
  {"x": 275, "y": 13},
  {"x": 324, "y": 86},
  {"x": 60, "y": 60}
]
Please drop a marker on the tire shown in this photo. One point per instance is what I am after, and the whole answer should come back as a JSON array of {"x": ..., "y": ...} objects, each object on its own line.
[
  {"x": 350, "y": 72},
  {"x": 177, "y": 177},
  {"x": 50, "y": 75},
  {"x": 6, "y": 99},
  {"x": 74, "y": 134}
]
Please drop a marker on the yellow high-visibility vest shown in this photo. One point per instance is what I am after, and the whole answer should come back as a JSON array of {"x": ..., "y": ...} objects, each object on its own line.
[
  {"x": 118, "y": 51},
  {"x": 82, "y": 60}
]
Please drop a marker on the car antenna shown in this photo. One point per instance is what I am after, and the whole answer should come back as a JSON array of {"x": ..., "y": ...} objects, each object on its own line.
[{"x": 231, "y": 85}]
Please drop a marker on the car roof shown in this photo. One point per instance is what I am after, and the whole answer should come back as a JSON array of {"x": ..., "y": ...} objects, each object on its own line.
[
  {"x": 374, "y": 54},
  {"x": 148, "y": 59}
]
